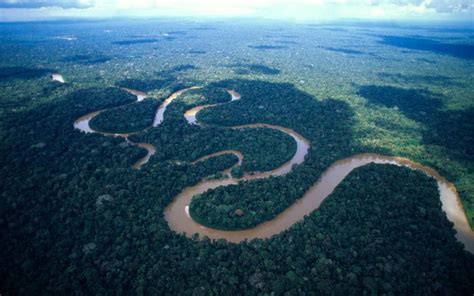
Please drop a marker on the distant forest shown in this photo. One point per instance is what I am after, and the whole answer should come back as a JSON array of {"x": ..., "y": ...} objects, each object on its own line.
[{"x": 76, "y": 218}]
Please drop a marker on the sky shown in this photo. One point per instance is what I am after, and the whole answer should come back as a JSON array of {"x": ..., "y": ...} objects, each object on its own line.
[{"x": 298, "y": 10}]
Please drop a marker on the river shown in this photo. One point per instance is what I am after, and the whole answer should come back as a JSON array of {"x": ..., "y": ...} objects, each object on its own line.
[{"x": 177, "y": 212}]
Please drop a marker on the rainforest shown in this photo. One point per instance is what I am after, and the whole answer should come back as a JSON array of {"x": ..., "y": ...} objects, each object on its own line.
[{"x": 244, "y": 157}]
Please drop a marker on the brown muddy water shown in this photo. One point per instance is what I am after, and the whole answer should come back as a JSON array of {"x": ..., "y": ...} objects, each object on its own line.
[
  {"x": 190, "y": 115},
  {"x": 139, "y": 94},
  {"x": 161, "y": 111},
  {"x": 179, "y": 220},
  {"x": 177, "y": 212}
]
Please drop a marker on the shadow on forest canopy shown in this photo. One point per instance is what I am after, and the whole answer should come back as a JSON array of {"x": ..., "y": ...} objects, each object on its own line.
[
  {"x": 267, "y": 47},
  {"x": 87, "y": 59},
  {"x": 327, "y": 124},
  {"x": 131, "y": 42},
  {"x": 416, "y": 79},
  {"x": 147, "y": 85},
  {"x": 166, "y": 79},
  {"x": 451, "y": 129},
  {"x": 462, "y": 51},
  {"x": 194, "y": 51},
  {"x": 342, "y": 50},
  {"x": 255, "y": 69},
  {"x": 23, "y": 73}
]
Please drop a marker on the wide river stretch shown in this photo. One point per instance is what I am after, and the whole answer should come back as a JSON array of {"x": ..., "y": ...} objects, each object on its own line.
[{"x": 177, "y": 212}]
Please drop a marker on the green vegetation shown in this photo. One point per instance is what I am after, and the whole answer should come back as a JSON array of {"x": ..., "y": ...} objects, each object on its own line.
[
  {"x": 87, "y": 59},
  {"x": 255, "y": 69},
  {"x": 75, "y": 218},
  {"x": 329, "y": 134},
  {"x": 22, "y": 73},
  {"x": 264, "y": 149},
  {"x": 389, "y": 238},
  {"x": 450, "y": 129},
  {"x": 462, "y": 51},
  {"x": 267, "y": 47},
  {"x": 205, "y": 95},
  {"x": 218, "y": 163},
  {"x": 126, "y": 119},
  {"x": 342, "y": 50},
  {"x": 133, "y": 42},
  {"x": 147, "y": 85},
  {"x": 237, "y": 172}
]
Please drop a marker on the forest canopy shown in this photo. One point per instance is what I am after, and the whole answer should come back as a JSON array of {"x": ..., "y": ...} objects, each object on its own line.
[{"x": 77, "y": 218}]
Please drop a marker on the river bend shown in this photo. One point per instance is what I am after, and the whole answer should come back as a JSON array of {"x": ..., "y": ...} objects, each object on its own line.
[{"x": 177, "y": 212}]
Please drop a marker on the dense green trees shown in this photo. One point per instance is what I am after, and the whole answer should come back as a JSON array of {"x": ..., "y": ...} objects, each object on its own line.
[
  {"x": 450, "y": 130},
  {"x": 165, "y": 84},
  {"x": 126, "y": 119},
  {"x": 75, "y": 218},
  {"x": 205, "y": 94},
  {"x": 263, "y": 149},
  {"x": 22, "y": 73},
  {"x": 330, "y": 137}
]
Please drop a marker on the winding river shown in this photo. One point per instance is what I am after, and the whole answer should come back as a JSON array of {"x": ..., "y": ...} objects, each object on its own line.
[
  {"x": 82, "y": 123},
  {"x": 177, "y": 212}
]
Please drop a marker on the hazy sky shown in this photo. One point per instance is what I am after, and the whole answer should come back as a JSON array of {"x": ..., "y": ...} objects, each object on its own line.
[{"x": 13, "y": 10}]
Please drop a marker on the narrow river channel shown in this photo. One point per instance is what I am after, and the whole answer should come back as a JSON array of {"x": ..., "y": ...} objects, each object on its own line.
[{"x": 177, "y": 212}]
